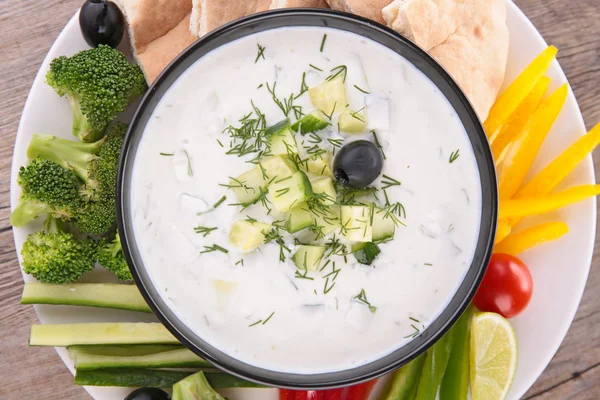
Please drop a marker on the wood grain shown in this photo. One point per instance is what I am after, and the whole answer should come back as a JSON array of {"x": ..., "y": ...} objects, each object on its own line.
[{"x": 27, "y": 30}]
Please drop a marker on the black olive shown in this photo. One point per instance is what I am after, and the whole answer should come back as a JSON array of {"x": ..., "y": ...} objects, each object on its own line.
[
  {"x": 101, "y": 22},
  {"x": 148, "y": 393},
  {"x": 358, "y": 164}
]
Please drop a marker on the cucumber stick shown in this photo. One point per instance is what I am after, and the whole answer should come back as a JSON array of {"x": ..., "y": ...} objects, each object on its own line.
[
  {"x": 403, "y": 383},
  {"x": 436, "y": 361},
  {"x": 455, "y": 384},
  {"x": 119, "y": 296},
  {"x": 121, "y": 350},
  {"x": 123, "y": 377},
  {"x": 182, "y": 358},
  {"x": 62, "y": 335}
]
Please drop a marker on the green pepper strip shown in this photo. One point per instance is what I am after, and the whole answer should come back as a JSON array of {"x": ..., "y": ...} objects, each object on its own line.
[{"x": 455, "y": 384}]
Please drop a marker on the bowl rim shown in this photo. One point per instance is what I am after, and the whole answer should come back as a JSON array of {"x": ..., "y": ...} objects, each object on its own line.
[{"x": 448, "y": 88}]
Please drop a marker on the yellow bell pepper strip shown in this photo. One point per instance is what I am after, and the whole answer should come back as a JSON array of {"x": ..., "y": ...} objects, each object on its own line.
[
  {"x": 531, "y": 237},
  {"x": 503, "y": 230},
  {"x": 455, "y": 384},
  {"x": 521, "y": 153},
  {"x": 402, "y": 385},
  {"x": 436, "y": 361},
  {"x": 555, "y": 172},
  {"x": 517, "y": 121},
  {"x": 510, "y": 99},
  {"x": 518, "y": 208}
]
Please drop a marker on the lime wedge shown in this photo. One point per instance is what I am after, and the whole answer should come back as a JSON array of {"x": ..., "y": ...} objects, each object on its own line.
[{"x": 493, "y": 356}]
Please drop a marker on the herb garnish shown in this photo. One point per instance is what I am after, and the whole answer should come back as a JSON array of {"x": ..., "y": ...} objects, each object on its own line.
[
  {"x": 362, "y": 298},
  {"x": 286, "y": 105},
  {"x": 250, "y": 136},
  {"x": 362, "y": 90},
  {"x": 221, "y": 200},
  {"x": 220, "y": 144},
  {"x": 214, "y": 247},
  {"x": 376, "y": 140},
  {"x": 303, "y": 87},
  {"x": 323, "y": 43},
  {"x": 167, "y": 154},
  {"x": 315, "y": 67},
  {"x": 190, "y": 171},
  {"x": 337, "y": 71},
  {"x": 303, "y": 276},
  {"x": 268, "y": 318},
  {"x": 204, "y": 231},
  {"x": 240, "y": 262},
  {"x": 388, "y": 181},
  {"x": 454, "y": 155},
  {"x": 261, "y": 53}
]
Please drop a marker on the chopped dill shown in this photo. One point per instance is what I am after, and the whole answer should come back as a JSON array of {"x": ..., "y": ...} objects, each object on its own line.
[
  {"x": 303, "y": 276},
  {"x": 388, "y": 182},
  {"x": 190, "y": 171},
  {"x": 261, "y": 53},
  {"x": 214, "y": 247},
  {"x": 362, "y": 298},
  {"x": 340, "y": 70},
  {"x": 323, "y": 43},
  {"x": 268, "y": 318},
  {"x": 286, "y": 105},
  {"x": 240, "y": 262},
  {"x": 221, "y": 200},
  {"x": 361, "y": 90},
  {"x": 303, "y": 86},
  {"x": 315, "y": 67},
  {"x": 220, "y": 144},
  {"x": 167, "y": 154},
  {"x": 204, "y": 231},
  {"x": 454, "y": 155},
  {"x": 376, "y": 140}
]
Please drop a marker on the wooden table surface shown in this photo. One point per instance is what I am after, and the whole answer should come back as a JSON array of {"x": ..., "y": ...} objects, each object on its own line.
[{"x": 27, "y": 30}]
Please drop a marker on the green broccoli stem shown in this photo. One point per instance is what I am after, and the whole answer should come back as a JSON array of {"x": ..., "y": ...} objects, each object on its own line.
[
  {"x": 67, "y": 153},
  {"x": 115, "y": 247},
  {"x": 28, "y": 211},
  {"x": 81, "y": 127}
]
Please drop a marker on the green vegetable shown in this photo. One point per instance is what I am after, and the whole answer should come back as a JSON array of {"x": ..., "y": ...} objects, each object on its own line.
[
  {"x": 403, "y": 383},
  {"x": 298, "y": 218},
  {"x": 436, "y": 361},
  {"x": 121, "y": 350},
  {"x": 103, "y": 333},
  {"x": 110, "y": 256},
  {"x": 248, "y": 235},
  {"x": 153, "y": 378},
  {"x": 47, "y": 188},
  {"x": 455, "y": 384},
  {"x": 180, "y": 358},
  {"x": 195, "y": 387},
  {"x": 289, "y": 192},
  {"x": 55, "y": 256},
  {"x": 281, "y": 139},
  {"x": 312, "y": 122},
  {"x": 383, "y": 228},
  {"x": 308, "y": 258},
  {"x": 99, "y": 83},
  {"x": 105, "y": 295},
  {"x": 96, "y": 164},
  {"x": 365, "y": 253}
]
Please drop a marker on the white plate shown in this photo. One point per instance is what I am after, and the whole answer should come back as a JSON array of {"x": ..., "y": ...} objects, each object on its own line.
[{"x": 559, "y": 269}]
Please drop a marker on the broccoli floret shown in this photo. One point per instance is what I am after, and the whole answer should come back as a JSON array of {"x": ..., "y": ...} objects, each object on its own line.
[
  {"x": 56, "y": 256},
  {"x": 47, "y": 188},
  {"x": 110, "y": 256},
  {"x": 96, "y": 164},
  {"x": 99, "y": 83}
]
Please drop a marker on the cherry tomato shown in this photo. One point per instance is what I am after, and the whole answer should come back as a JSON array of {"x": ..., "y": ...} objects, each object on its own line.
[{"x": 506, "y": 287}]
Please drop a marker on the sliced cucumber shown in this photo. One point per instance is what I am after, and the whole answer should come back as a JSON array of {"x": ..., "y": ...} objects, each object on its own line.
[
  {"x": 123, "y": 377},
  {"x": 289, "y": 192},
  {"x": 61, "y": 335},
  {"x": 308, "y": 257},
  {"x": 247, "y": 187},
  {"x": 277, "y": 167},
  {"x": 383, "y": 228},
  {"x": 247, "y": 235},
  {"x": 315, "y": 121},
  {"x": 330, "y": 221},
  {"x": 356, "y": 223},
  {"x": 298, "y": 218},
  {"x": 181, "y": 358},
  {"x": 123, "y": 297},
  {"x": 352, "y": 122},
  {"x": 365, "y": 253},
  {"x": 319, "y": 164},
  {"x": 281, "y": 139},
  {"x": 324, "y": 185},
  {"x": 329, "y": 96},
  {"x": 121, "y": 350}
]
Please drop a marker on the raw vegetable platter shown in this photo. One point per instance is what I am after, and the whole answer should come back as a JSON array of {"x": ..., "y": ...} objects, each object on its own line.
[{"x": 559, "y": 269}]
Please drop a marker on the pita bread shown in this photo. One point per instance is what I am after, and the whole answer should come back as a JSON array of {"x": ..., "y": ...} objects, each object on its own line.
[
  {"x": 158, "y": 31},
  {"x": 298, "y": 3},
  {"x": 208, "y": 15},
  {"x": 365, "y": 8},
  {"x": 468, "y": 37}
]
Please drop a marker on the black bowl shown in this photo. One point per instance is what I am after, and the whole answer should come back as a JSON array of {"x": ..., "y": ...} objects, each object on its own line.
[{"x": 446, "y": 85}]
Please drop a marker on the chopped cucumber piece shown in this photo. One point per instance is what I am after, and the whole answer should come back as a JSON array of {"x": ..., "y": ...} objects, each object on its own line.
[
  {"x": 281, "y": 139},
  {"x": 319, "y": 164},
  {"x": 247, "y": 235},
  {"x": 324, "y": 185},
  {"x": 356, "y": 223},
  {"x": 289, "y": 192},
  {"x": 365, "y": 253},
  {"x": 135, "y": 377},
  {"x": 247, "y": 187},
  {"x": 61, "y": 335},
  {"x": 308, "y": 257},
  {"x": 298, "y": 218},
  {"x": 329, "y": 96},
  {"x": 276, "y": 168},
  {"x": 121, "y": 350},
  {"x": 315, "y": 121},
  {"x": 180, "y": 358},
  {"x": 330, "y": 221},
  {"x": 383, "y": 228},
  {"x": 195, "y": 387},
  {"x": 105, "y": 295},
  {"x": 352, "y": 122}
]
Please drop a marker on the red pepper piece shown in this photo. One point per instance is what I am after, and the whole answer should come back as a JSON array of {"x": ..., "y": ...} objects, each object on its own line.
[
  {"x": 335, "y": 394},
  {"x": 360, "y": 391},
  {"x": 286, "y": 394}
]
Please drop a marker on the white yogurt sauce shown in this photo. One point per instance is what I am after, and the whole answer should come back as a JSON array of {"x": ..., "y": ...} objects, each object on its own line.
[{"x": 221, "y": 298}]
